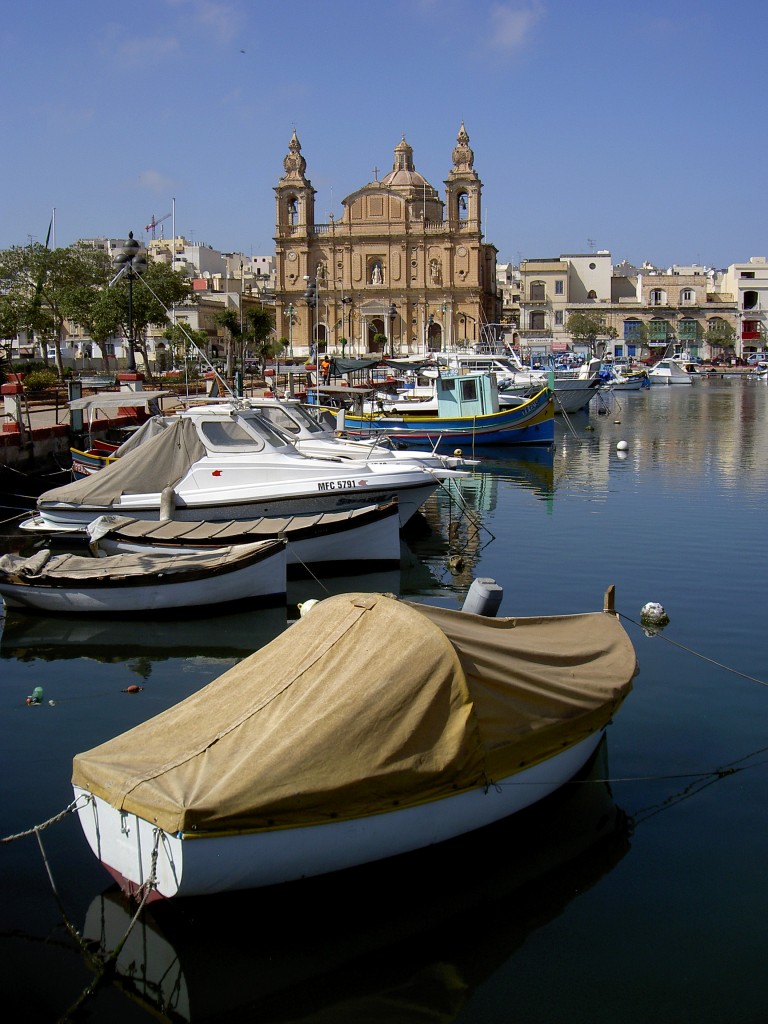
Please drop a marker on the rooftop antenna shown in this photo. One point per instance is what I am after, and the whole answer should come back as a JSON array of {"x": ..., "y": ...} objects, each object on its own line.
[{"x": 591, "y": 244}]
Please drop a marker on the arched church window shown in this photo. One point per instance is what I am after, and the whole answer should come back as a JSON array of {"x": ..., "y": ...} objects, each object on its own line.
[
  {"x": 293, "y": 211},
  {"x": 462, "y": 205}
]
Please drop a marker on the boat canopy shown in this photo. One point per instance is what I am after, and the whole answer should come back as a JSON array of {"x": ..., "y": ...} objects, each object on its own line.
[
  {"x": 160, "y": 462},
  {"x": 339, "y": 718}
]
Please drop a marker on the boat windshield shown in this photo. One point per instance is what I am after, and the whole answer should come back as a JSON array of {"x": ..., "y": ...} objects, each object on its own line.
[
  {"x": 243, "y": 433},
  {"x": 229, "y": 435},
  {"x": 292, "y": 418}
]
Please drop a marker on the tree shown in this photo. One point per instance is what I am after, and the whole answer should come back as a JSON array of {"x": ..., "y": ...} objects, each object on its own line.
[
  {"x": 587, "y": 326},
  {"x": 98, "y": 312},
  {"x": 39, "y": 287},
  {"x": 720, "y": 336},
  {"x": 154, "y": 292},
  {"x": 260, "y": 335},
  {"x": 229, "y": 319},
  {"x": 182, "y": 339}
]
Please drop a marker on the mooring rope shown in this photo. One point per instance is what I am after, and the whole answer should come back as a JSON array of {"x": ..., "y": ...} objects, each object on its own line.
[
  {"x": 651, "y": 631},
  {"x": 51, "y": 821},
  {"x": 20, "y": 515}
]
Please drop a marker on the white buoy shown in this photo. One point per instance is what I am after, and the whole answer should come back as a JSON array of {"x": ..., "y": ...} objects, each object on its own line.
[
  {"x": 622, "y": 446},
  {"x": 654, "y": 614}
]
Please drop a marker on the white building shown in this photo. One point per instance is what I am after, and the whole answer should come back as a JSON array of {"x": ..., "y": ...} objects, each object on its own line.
[{"x": 748, "y": 284}]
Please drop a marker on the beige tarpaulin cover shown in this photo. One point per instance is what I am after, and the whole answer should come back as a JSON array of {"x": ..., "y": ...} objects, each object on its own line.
[
  {"x": 365, "y": 705},
  {"x": 149, "y": 568},
  {"x": 158, "y": 463}
]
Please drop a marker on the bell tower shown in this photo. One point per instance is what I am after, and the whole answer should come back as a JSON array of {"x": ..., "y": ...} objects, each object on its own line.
[
  {"x": 295, "y": 195},
  {"x": 463, "y": 188}
]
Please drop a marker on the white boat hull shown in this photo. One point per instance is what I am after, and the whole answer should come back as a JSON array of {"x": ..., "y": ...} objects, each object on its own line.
[
  {"x": 125, "y": 843},
  {"x": 253, "y": 580},
  {"x": 356, "y": 538},
  {"x": 210, "y": 507}
]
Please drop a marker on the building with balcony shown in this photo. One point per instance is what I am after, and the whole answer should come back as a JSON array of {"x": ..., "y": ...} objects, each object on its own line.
[
  {"x": 645, "y": 311},
  {"x": 748, "y": 284},
  {"x": 401, "y": 270}
]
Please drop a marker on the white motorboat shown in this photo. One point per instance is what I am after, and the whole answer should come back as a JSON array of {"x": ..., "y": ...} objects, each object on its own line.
[
  {"x": 221, "y": 462},
  {"x": 322, "y": 436},
  {"x": 144, "y": 583},
  {"x": 573, "y": 389},
  {"x": 759, "y": 371},
  {"x": 669, "y": 371},
  {"x": 371, "y": 727},
  {"x": 366, "y": 539}
]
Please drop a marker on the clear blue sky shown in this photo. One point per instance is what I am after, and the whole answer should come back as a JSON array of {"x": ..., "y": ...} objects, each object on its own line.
[{"x": 633, "y": 127}]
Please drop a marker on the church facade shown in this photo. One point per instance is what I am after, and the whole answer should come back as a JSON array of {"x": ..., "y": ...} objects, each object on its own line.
[{"x": 401, "y": 272}]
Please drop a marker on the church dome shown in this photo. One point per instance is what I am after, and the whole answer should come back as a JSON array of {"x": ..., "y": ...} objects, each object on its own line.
[{"x": 403, "y": 174}]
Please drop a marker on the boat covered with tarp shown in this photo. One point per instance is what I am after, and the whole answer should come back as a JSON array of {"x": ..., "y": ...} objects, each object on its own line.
[{"x": 370, "y": 727}]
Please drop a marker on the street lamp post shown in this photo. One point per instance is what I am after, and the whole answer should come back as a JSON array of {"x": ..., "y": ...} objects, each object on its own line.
[
  {"x": 131, "y": 261},
  {"x": 289, "y": 313},
  {"x": 392, "y": 313},
  {"x": 346, "y": 300},
  {"x": 310, "y": 297}
]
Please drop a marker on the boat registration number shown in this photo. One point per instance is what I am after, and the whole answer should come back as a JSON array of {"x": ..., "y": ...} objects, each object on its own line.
[{"x": 335, "y": 485}]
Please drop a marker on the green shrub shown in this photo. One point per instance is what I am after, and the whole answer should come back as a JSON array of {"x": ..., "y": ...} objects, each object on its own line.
[{"x": 40, "y": 380}]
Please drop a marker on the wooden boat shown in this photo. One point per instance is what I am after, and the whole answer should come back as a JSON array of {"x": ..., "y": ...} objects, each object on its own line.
[
  {"x": 100, "y": 454},
  {"x": 364, "y": 539},
  {"x": 222, "y": 462},
  {"x": 468, "y": 413},
  {"x": 371, "y": 727},
  {"x": 553, "y": 853},
  {"x": 619, "y": 379},
  {"x": 144, "y": 583}
]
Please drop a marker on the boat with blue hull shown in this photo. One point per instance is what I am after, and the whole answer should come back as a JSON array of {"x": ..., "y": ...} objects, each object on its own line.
[{"x": 468, "y": 413}]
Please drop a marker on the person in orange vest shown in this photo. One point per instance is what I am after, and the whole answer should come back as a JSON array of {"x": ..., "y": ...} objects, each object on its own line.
[{"x": 325, "y": 370}]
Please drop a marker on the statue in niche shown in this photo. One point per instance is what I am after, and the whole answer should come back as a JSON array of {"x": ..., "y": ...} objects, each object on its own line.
[
  {"x": 320, "y": 272},
  {"x": 376, "y": 275},
  {"x": 434, "y": 271}
]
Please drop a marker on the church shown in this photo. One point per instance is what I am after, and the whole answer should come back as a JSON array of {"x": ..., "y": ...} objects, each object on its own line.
[{"x": 402, "y": 272}]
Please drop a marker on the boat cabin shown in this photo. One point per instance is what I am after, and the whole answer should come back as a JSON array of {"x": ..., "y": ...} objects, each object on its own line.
[{"x": 471, "y": 394}]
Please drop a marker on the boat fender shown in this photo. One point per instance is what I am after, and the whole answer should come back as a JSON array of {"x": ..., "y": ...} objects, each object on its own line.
[
  {"x": 167, "y": 503},
  {"x": 306, "y": 607},
  {"x": 483, "y": 597}
]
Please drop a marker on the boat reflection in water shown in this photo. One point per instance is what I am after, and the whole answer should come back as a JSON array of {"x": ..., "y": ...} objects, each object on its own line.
[
  {"x": 34, "y": 637},
  {"x": 403, "y": 940},
  {"x": 457, "y": 521},
  {"x": 28, "y": 637}
]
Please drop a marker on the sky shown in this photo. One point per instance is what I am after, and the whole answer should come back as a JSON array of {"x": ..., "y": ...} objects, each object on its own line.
[{"x": 633, "y": 127}]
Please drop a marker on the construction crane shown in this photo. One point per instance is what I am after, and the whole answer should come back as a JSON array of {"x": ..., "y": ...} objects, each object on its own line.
[{"x": 155, "y": 221}]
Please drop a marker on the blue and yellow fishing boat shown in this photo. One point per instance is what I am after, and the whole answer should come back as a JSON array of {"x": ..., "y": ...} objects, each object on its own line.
[{"x": 468, "y": 412}]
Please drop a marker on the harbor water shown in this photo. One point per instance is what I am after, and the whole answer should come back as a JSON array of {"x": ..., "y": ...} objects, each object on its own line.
[{"x": 636, "y": 893}]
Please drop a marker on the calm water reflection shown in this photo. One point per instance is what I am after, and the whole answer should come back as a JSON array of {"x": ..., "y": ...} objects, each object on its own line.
[{"x": 642, "y": 899}]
